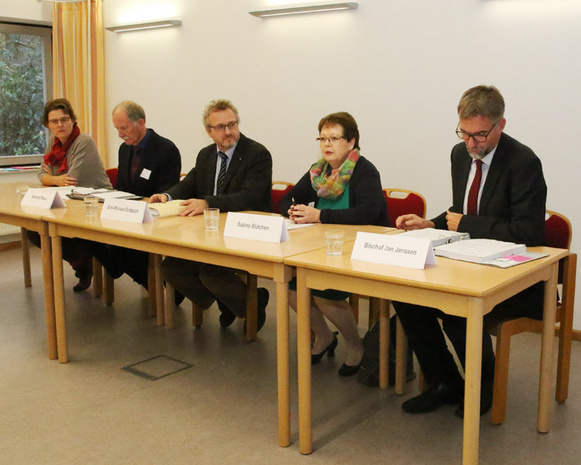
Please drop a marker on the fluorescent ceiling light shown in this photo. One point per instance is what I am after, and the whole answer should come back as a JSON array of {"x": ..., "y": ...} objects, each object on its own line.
[
  {"x": 297, "y": 10},
  {"x": 146, "y": 25}
]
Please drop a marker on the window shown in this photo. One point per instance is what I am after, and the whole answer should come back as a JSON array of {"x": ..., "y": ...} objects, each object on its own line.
[{"x": 25, "y": 85}]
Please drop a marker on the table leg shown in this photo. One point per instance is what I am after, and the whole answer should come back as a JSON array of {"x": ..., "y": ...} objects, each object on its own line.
[
  {"x": 159, "y": 295},
  {"x": 251, "y": 307},
  {"x": 59, "y": 299},
  {"x": 474, "y": 324},
  {"x": 548, "y": 340},
  {"x": 383, "y": 343},
  {"x": 45, "y": 250},
  {"x": 25, "y": 257},
  {"x": 282, "y": 350},
  {"x": 401, "y": 353},
  {"x": 304, "y": 363}
]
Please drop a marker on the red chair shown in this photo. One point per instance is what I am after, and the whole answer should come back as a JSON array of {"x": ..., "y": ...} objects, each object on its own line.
[
  {"x": 279, "y": 190},
  {"x": 558, "y": 233},
  {"x": 402, "y": 201},
  {"x": 112, "y": 173}
]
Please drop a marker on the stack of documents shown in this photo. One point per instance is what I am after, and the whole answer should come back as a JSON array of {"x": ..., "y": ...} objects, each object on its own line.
[
  {"x": 79, "y": 193},
  {"x": 437, "y": 236},
  {"x": 479, "y": 250}
]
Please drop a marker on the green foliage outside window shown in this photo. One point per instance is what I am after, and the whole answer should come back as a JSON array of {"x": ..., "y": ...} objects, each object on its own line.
[{"x": 21, "y": 94}]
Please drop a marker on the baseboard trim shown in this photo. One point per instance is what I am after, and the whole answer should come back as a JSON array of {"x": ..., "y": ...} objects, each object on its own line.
[
  {"x": 9, "y": 245},
  {"x": 576, "y": 335}
]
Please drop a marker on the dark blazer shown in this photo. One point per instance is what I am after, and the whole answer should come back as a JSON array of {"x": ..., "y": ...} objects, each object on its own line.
[
  {"x": 367, "y": 203},
  {"x": 248, "y": 182},
  {"x": 512, "y": 205},
  {"x": 160, "y": 156}
]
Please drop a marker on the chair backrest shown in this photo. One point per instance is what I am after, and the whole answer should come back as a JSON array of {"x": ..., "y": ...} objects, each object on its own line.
[
  {"x": 558, "y": 233},
  {"x": 112, "y": 173},
  {"x": 279, "y": 189},
  {"x": 402, "y": 201},
  {"x": 558, "y": 230}
]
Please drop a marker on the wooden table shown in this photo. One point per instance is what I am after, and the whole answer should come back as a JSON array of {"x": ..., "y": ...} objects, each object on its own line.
[
  {"x": 31, "y": 219},
  {"x": 187, "y": 238},
  {"x": 458, "y": 288}
]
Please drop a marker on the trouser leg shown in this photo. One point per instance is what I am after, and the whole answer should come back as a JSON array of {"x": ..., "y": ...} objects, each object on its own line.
[
  {"x": 226, "y": 285},
  {"x": 428, "y": 342},
  {"x": 184, "y": 275},
  {"x": 455, "y": 328}
]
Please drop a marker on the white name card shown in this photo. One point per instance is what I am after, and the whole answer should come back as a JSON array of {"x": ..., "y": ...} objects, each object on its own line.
[
  {"x": 393, "y": 250},
  {"x": 42, "y": 198},
  {"x": 266, "y": 228},
  {"x": 130, "y": 211}
]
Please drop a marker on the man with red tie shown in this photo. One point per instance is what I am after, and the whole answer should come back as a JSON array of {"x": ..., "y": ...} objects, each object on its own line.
[
  {"x": 499, "y": 192},
  {"x": 148, "y": 163}
]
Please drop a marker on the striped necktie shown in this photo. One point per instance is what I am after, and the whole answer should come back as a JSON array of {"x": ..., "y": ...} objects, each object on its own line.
[{"x": 222, "y": 173}]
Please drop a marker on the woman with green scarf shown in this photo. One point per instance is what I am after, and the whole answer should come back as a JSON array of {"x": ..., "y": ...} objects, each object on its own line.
[{"x": 342, "y": 187}]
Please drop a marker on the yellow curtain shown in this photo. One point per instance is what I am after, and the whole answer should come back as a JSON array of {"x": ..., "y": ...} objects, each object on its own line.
[{"x": 79, "y": 65}]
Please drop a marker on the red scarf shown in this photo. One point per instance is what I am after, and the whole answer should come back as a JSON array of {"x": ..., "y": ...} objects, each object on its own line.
[{"x": 58, "y": 154}]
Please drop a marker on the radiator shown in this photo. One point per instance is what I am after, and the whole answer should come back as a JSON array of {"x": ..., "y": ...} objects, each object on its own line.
[{"x": 7, "y": 229}]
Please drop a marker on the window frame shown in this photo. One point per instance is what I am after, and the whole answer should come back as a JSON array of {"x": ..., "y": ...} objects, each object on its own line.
[{"x": 45, "y": 31}]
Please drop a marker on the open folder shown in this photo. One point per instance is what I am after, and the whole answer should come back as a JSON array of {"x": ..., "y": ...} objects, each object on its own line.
[{"x": 171, "y": 208}]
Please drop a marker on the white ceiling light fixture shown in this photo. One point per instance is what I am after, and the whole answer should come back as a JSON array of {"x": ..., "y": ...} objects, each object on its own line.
[
  {"x": 146, "y": 25},
  {"x": 297, "y": 10}
]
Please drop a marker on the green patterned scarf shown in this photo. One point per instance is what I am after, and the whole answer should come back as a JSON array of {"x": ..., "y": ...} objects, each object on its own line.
[{"x": 331, "y": 186}]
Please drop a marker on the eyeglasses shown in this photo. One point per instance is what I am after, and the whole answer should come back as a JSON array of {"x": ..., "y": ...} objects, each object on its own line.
[
  {"x": 479, "y": 137},
  {"x": 222, "y": 127},
  {"x": 333, "y": 140},
  {"x": 63, "y": 120}
]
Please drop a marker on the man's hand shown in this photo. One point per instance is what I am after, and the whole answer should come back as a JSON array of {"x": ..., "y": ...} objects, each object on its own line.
[
  {"x": 410, "y": 222},
  {"x": 158, "y": 198},
  {"x": 453, "y": 220},
  {"x": 193, "y": 207}
]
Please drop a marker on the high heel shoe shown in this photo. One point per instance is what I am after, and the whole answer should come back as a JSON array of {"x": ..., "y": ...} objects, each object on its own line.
[{"x": 330, "y": 350}]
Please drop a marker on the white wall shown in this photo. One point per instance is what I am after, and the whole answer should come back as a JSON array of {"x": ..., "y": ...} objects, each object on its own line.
[{"x": 399, "y": 66}]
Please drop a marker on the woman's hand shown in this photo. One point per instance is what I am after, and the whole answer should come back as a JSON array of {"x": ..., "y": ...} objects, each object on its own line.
[
  {"x": 302, "y": 214},
  {"x": 61, "y": 181}
]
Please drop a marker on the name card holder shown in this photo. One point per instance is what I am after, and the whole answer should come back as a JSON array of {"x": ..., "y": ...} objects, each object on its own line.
[
  {"x": 130, "y": 211},
  {"x": 393, "y": 250},
  {"x": 43, "y": 198},
  {"x": 266, "y": 228}
]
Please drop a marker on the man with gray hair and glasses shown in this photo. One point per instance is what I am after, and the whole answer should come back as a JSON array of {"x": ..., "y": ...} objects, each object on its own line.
[
  {"x": 498, "y": 192},
  {"x": 232, "y": 174}
]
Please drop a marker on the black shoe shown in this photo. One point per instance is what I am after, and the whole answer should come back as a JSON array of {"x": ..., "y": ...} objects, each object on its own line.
[
  {"x": 349, "y": 370},
  {"x": 262, "y": 301},
  {"x": 226, "y": 315},
  {"x": 83, "y": 271},
  {"x": 329, "y": 350},
  {"x": 485, "y": 401},
  {"x": 445, "y": 392}
]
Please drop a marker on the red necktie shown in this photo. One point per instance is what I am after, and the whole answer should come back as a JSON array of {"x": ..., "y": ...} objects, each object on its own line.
[
  {"x": 474, "y": 189},
  {"x": 134, "y": 162}
]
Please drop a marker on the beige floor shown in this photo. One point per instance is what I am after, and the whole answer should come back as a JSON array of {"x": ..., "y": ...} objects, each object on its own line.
[{"x": 222, "y": 410}]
